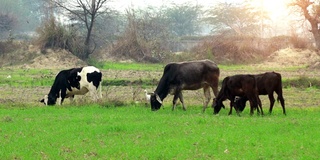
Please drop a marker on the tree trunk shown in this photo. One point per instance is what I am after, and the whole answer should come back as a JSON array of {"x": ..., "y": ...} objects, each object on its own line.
[
  {"x": 314, "y": 29},
  {"x": 304, "y": 4},
  {"x": 87, "y": 43},
  {"x": 317, "y": 39},
  {"x": 316, "y": 33}
]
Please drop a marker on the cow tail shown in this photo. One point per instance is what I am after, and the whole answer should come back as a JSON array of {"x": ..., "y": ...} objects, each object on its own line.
[
  {"x": 279, "y": 88},
  {"x": 100, "y": 90}
]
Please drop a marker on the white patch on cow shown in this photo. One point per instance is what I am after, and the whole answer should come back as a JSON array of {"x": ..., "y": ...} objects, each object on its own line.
[
  {"x": 59, "y": 99},
  {"x": 45, "y": 99},
  {"x": 76, "y": 91},
  {"x": 85, "y": 86}
]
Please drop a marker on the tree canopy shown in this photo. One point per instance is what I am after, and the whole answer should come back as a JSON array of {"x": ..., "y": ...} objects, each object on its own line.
[{"x": 237, "y": 18}]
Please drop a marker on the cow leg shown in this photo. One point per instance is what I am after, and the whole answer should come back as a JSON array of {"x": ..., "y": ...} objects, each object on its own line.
[
  {"x": 174, "y": 102},
  {"x": 181, "y": 100},
  {"x": 62, "y": 95},
  {"x": 235, "y": 107},
  {"x": 99, "y": 92},
  {"x": 259, "y": 104},
  {"x": 251, "y": 107},
  {"x": 59, "y": 100},
  {"x": 272, "y": 100},
  {"x": 253, "y": 104},
  {"x": 281, "y": 99},
  {"x": 207, "y": 95},
  {"x": 282, "y": 104},
  {"x": 230, "y": 111},
  {"x": 214, "y": 85},
  {"x": 93, "y": 92},
  {"x": 71, "y": 98}
]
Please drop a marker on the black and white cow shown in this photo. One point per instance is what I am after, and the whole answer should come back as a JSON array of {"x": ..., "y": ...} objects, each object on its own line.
[{"x": 74, "y": 81}]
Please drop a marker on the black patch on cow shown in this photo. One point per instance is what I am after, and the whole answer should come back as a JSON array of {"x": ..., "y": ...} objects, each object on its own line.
[
  {"x": 60, "y": 84},
  {"x": 52, "y": 100},
  {"x": 95, "y": 78},
  {"x": 74, "y": 79}
]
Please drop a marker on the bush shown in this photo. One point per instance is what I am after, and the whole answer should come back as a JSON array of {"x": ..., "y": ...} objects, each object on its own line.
[
  {"x": 53, "y": 35},
  {"x": 298, "y": 42},
  {"x": 6, "y": 47},
  {"x": 7, "y": 23},
  {"x": 301, "y": 82},
  {"x": 238, "y": 49}
]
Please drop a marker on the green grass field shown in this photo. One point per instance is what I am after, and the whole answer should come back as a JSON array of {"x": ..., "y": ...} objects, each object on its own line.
[
  {"x": 121, "y": 126},
  {"x": 134, "y": 132}
]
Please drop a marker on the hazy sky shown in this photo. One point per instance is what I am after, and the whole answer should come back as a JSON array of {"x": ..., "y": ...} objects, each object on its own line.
[
  {"x": 142, "y": 3},
  {"x": 277, "y": 10}
]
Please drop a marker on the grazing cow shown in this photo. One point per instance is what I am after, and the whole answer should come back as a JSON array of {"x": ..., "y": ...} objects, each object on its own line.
[
  {"x": 75, "y": 81},
  {"x": 267, "y": 83},
  {"x": 238, "y": 85},
  {"x": 191, "y": 75}
]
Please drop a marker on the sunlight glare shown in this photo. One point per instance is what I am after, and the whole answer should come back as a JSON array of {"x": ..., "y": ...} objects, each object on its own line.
[{"x": 275, "y": 8}]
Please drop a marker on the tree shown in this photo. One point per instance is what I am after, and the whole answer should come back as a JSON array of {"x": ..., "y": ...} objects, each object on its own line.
[
  {"x": 184, "y": 19},
  {"x": 109, "y": 27},
  {"x": 311, "y": 12},
  {"x": 87, "y": 13},
  {"x": 7, "y": 23},
  {"x": 239, "y": 18},
  {"x": 26, "y": 14},
  {"x": 144, "y": 37}
]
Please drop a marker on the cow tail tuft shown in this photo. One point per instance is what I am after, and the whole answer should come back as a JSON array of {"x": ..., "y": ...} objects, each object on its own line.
[{"x": 100, "y": 90}]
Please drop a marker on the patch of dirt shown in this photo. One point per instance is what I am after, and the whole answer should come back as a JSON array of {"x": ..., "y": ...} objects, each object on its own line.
[
  {"x": 315, "y": 66},
  {"x": 55, "y": 60},
  {"x": 18, "y": 56},
  {"x": 31, "y": 57},
  {"x": 292, "y": 57}
]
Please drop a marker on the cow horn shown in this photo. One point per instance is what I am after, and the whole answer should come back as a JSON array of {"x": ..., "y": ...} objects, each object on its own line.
[{"x": 158, "y": 99}]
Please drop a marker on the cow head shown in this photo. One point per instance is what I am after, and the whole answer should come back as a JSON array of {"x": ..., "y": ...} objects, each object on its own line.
[
  {"x": 155, "y": 102},
  {"x": 48, "y": 100},
  {"x": 217, "y": 105}
]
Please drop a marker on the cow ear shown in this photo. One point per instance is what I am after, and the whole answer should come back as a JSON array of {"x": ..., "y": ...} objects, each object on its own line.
[{"x": 158, "y": 99}]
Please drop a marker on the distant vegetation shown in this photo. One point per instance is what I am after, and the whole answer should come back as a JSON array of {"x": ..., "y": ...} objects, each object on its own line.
[{"x": 228, "y": 33}]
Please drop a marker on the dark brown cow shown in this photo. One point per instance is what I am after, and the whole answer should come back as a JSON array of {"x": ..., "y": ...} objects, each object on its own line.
[
  {"x": 267, "y": 83},
  {"x": 238, "y": 85},
  {"x": 191, "y": 75}
]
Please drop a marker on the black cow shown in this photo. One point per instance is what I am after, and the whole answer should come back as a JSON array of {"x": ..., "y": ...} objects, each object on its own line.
[
  {"x": 75, "y": 81},
  {"x": 191, "y": 75},
  {"x": 267, "y": 83},
  {"x": 238, "y": 85}
]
